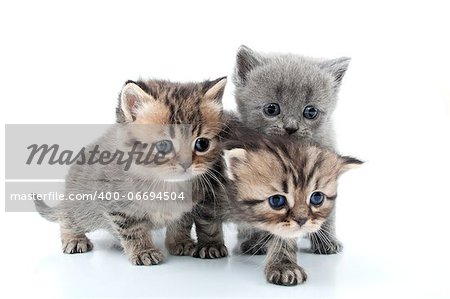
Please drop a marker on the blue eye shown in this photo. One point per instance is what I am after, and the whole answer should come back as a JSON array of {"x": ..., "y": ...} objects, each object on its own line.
[
  {"x": 277, "y": 201},
  {"x": 164, "y": 146},
  {"x": 272, "y": 109},
  {"x": 316, "y": 198},
  {"x": 310, "y": 112}
]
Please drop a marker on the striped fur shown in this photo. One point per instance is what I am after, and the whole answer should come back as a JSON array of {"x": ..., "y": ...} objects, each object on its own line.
[
  {"x": 258, "y": 167},
  {"x": 144, "y": 103}
]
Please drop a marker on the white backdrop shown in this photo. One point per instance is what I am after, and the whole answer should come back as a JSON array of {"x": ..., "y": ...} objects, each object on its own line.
[{"x": 66, "y": 62}]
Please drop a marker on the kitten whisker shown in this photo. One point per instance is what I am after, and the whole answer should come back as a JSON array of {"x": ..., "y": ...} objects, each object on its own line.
[
  {"x": 325, "y": 239},
  {"x": 211, "y": 188},
  {"x": 263, "y": 242}
]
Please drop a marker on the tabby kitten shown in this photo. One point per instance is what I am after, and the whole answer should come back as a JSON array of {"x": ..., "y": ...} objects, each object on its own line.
[
  {"x": 183, "y": 121},
  {"x": 292, "y": 96},
  {"x": 285, "y": 188}
]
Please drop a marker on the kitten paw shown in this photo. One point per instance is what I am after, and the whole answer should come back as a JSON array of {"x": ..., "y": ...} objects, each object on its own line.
[
  {"x": 252, "y": 247},
  {"x": 183, "y": 248},
  {"x": 147, "y": 257},
  {"x": 210, "y": 251},
  {"x": 77, "y": 245},
  {"x": 326, "y": 247},
  {"x": 286, "y": 274}
]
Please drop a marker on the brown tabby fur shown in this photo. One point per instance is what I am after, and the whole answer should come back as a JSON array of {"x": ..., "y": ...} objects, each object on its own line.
[
  {"x": 144, "y": 103},
  {"x": 258, "y": 167}
]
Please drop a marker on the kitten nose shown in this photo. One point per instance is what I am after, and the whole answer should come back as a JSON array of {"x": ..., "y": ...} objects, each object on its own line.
[
  {"x": 290, "y": 125},
  {"x": 291, "y": 129},
  {"x": 301, "y": 221},
  {"x": 186, "y": 164}
]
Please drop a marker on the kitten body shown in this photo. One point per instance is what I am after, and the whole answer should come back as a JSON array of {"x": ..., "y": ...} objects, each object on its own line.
[
  {"x": 292, "y": 96},
  {"x": 150, "y": 112}
]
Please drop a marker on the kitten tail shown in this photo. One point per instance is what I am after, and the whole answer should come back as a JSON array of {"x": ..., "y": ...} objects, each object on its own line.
[{"x": 44, "y": 210}]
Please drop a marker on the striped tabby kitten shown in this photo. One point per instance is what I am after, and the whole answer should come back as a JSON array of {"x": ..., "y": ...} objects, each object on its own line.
[
  {"x": 145, "y": 113},
  {"x": 292, "y": 96},
  {"x": 285, "y": 188}
]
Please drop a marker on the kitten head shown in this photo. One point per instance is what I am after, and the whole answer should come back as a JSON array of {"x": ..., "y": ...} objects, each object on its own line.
[
  {"x": 286, "y": 189},
  {"x": 287, "y": 94},
  {"x": 180, "y": 120}
]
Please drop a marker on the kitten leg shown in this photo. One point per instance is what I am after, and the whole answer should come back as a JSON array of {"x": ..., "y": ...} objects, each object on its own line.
[
  {"x": 135, "y": 236},
  {"x": 74, "y": 242},
  {"x": 325, "y": 241},
  {"x": 252, "y": 241},
  {"x": 210, "y": 243},
  {"x": 282, "y": 267},
  {"x": 178, "y": 236}
]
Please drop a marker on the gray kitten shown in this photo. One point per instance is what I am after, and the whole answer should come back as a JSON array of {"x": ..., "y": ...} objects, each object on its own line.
[{"x": 292, "y": 96}]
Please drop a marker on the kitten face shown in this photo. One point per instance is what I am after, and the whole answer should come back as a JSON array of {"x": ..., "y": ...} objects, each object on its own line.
[
  {"x": 288, "y": 189},
  {"x": 287, "y": 94},
  {"x": 182, "y": 121}
]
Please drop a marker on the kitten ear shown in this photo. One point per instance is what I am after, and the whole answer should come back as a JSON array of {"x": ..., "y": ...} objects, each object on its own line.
[
  {"x": 348, "y": 163},
  {"x": 246, "y": 61},
  {"x": 132, "y": 99},
  {"x": 232, "y": 158},
  {"x": 215, "y": 89},
  {"x": 337, "y": 67}
]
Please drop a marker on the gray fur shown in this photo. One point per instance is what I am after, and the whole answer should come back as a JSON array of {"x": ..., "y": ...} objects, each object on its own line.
[
  {"x": 293, "y": 82},
  {"x": 45, "y": 211}
]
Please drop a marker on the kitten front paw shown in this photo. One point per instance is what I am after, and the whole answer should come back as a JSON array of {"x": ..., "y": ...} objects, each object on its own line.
[
  {"x": 332, "y": 246},
  {"x": 185, "y": 247},
  {"x": 147, "y": 257},
  {"x": 77, "y": 245},
  {"x": 286, "y": 274},
  {"x": 210, "y": 251},
  {"x": 252, "y": 247}
]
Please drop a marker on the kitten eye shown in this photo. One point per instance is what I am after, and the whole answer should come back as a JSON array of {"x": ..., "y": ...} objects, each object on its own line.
[
  {"x": 272, "y": 109},
  {"x": 201, "y": 144},
  {"x": 164, "y": 146},
  {"x": 310, "y": 112},
  {"x": 316, "y": 198},
  {"x": 277, "y": 201}
]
